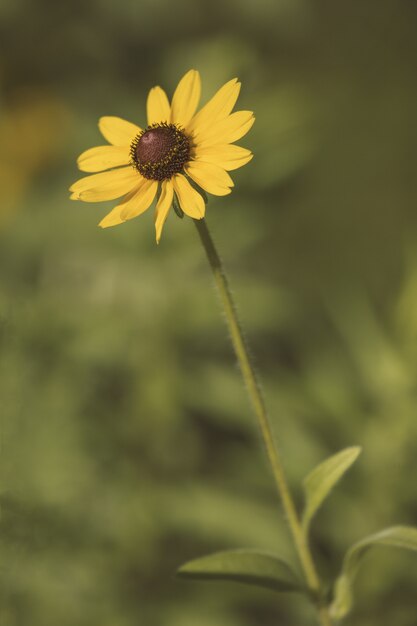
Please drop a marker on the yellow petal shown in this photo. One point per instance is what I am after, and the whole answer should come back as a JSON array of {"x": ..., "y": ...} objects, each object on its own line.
[
  {"x": 190, "y": 200},
  {"x": 228, "y": 130},
  {"x": 186, "y": 98},
  {"x": 117, "y": 131},
  {"x": 227, "y": 156},
  {"x": 210, "y": 177},
  {"x": 103, "y": 158},
  {"x": 157, "y": 106},
  {"x": 106, "y": 185},
  {"x": 163, "y": 207},
  {"x": 140, "y": 201},
  {"x": 220, "y": 105},
  {"x": 114, "y": 217}
]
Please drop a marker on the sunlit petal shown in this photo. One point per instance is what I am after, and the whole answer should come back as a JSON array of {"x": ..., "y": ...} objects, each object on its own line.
[
  {"x": 186, "y": 98},
  {"x": 117, "y": 131},
  {"x": 227, "y": 156},
  {"x": 106, "y": 185},
  {"x": 229, "y": 129},
  {"x": 163, "y": 207},
  {"x": 157, "y": 106},
  {"x": 103, "y": 158},
  {"x": 210, "y": 177},
  {"x": 219, "y": 107},
  {"x": 114, "y": 217},
  {"x": 141, "y": 201},
  {"x": 190, "y": 200}
]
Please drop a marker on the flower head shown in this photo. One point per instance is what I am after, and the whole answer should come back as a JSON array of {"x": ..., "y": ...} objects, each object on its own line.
[{"x": 177, "y": 155}]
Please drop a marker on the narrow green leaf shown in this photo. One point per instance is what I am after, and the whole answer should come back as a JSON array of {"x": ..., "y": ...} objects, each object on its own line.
[
  {"x": 244, "y": 566},
  {"x": 342, "y": 601},
  {"x": 396, "y": 536},
  {"x": 321, "y": 480}
]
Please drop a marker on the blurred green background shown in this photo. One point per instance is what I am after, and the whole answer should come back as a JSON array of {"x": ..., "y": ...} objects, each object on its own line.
[{"x": 127, "y": 443}]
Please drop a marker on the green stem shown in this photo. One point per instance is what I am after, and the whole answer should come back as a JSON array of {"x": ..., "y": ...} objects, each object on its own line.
[{"x": 255, "y": 394}]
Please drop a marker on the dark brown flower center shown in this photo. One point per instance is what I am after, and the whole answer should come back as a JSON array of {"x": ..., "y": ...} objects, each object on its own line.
[{"x": 160, "y": 151}]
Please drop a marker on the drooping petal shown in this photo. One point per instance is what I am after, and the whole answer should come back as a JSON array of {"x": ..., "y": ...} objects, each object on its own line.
[
  {"x": 141, "y": 201},
  {"x": 157, "y": 106},
  {"x": 227, "y": 156},
  {"x": 134, "y": 203},
  {"x": 163, "y": 207},
  {"x": 117, "y": 131},
  {"x": 190, "y": 200},
  {"x": 103, "y": 158},
  {"x": 106, "y": 185},
  {"x": 186, "y": 98},
  {"x": 114, "y": 217},
  {"x": 220, "y": 105},
  {"x": 228, "y": 130},
  {"x": 210, "y": 177}
]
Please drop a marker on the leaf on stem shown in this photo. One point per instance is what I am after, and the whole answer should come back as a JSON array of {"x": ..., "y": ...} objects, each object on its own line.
[
  {"x": 244, "y": 566},
  {"x": 396, "y": 536},
  {"x": 321, "y": 480}
]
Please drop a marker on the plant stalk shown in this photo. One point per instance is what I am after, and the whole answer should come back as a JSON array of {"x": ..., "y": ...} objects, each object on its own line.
[{"x": 254, "y": 390}]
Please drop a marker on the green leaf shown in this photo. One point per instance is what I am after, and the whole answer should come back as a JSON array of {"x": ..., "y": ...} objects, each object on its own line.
[
  {"x": 244, "y": 566},
  {"x": 396, "y": 536},
  {"x": 321, "y": 480}
]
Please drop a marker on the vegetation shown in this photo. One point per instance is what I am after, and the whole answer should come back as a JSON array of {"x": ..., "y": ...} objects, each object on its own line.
[{"x": 127, "y": 443}]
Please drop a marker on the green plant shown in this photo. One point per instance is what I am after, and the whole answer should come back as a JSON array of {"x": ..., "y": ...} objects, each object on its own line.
[{"x": 269, "y": 570}]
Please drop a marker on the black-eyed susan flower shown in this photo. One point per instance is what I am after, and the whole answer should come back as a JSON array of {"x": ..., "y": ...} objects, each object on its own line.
[{"x": 179, "y": 152}]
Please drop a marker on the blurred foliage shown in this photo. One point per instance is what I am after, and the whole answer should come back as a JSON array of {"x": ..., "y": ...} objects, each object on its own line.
[{"x": 127, "y": 443}]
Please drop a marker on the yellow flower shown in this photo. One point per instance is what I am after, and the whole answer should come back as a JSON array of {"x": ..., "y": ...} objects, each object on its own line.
[{"x": 179, "y": 151}]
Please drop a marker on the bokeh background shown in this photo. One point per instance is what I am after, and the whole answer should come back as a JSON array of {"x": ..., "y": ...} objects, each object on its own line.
[{"x": 127, "y": 443}]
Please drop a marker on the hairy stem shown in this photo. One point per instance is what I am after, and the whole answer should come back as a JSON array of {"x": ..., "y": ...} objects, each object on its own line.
[{"x": 256, "y": 397}]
